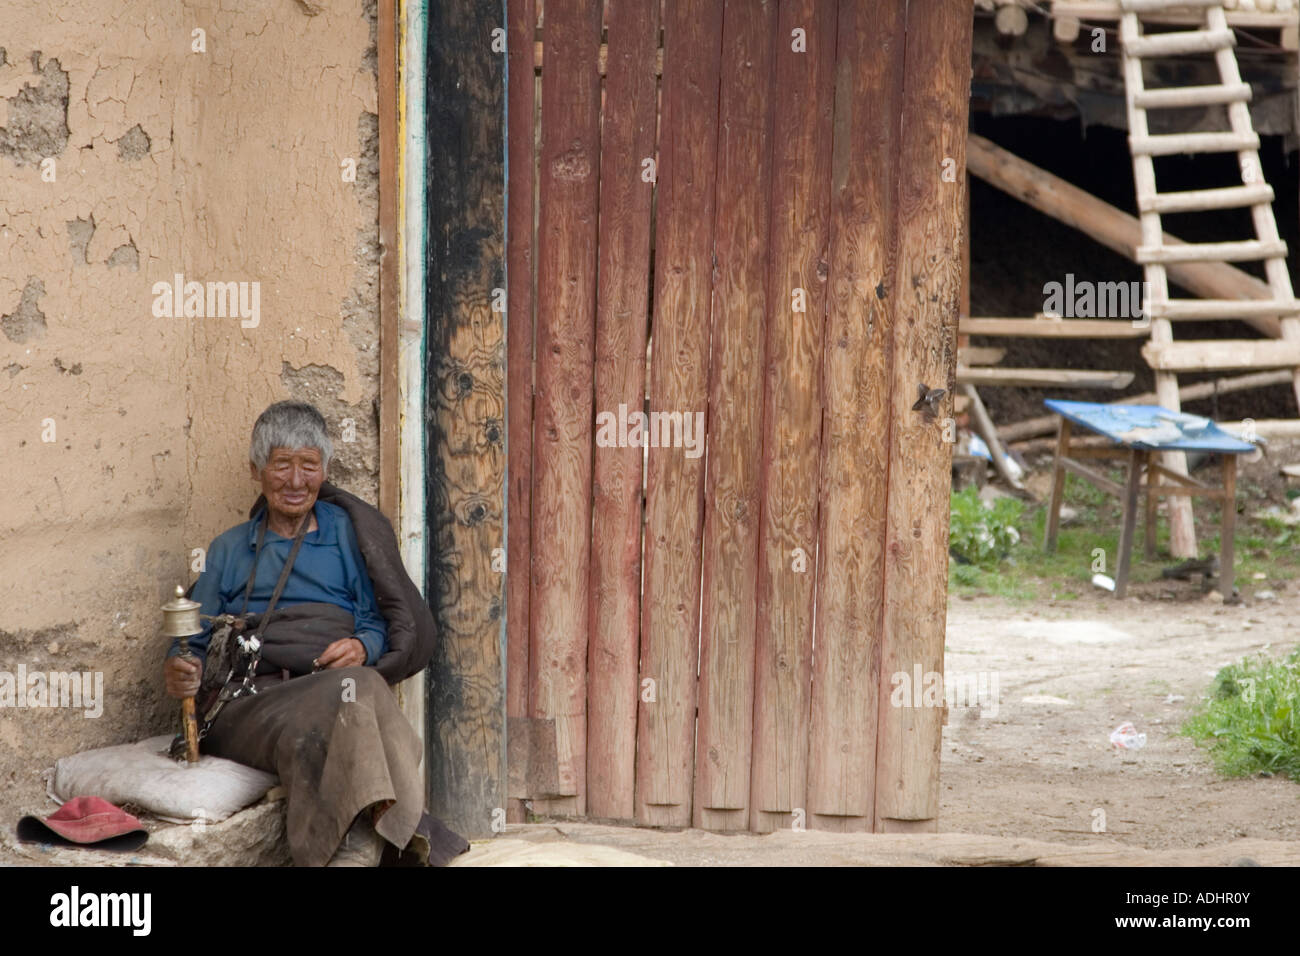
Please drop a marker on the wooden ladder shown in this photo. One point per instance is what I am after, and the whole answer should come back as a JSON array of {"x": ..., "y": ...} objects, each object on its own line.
[{"x": 1164, "y": 355}]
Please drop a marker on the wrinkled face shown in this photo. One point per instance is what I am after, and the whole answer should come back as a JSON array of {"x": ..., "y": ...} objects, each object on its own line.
[{"x": 291, "y": 480}]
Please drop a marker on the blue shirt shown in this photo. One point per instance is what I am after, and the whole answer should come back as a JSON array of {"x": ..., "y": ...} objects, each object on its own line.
[{"x": 329, "y": 569}]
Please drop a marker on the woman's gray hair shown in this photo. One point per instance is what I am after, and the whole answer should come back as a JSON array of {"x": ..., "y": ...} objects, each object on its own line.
[{"x": 290, "y": 425}]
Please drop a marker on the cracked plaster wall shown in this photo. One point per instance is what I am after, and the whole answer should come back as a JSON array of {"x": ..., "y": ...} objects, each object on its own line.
[{"x": 222, "y": 165}]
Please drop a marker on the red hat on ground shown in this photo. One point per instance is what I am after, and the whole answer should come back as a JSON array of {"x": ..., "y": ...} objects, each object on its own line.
[{"x": 83, "y": 821}]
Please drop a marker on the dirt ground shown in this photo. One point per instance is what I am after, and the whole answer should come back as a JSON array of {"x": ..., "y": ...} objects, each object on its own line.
[
  {"x": 1020, "y": 786},
  {"x": 1069, "y": 673}
]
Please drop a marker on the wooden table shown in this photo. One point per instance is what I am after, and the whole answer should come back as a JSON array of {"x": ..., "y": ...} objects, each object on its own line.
[{"x": 1139, "y": 434}]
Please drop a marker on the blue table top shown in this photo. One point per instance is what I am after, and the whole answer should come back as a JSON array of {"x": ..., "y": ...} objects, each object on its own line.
[{"x": 1150, "y": 427}]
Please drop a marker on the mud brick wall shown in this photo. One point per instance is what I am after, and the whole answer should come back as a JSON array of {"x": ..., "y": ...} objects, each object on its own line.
[{"x": 138, "y": 142}]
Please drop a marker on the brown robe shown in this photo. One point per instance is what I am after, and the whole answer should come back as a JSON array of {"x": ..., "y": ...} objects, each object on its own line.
[
  {"x": 339, "y": 743},
  {"x": 339, "y": 748}
]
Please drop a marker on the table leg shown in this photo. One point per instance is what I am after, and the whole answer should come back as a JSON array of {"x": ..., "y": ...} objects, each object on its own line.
[
  {"x": 1058, "y": 485},
  {"x": 1226, "y": 549},
  {"x": 1149, "y": 526},
  {"x": 1136, "y": 459}
]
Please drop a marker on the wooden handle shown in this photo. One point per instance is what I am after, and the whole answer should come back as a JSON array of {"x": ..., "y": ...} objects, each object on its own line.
[{"x": 191, "y": 730}]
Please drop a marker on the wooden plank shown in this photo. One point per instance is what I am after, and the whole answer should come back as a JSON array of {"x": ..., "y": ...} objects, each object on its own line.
[
  {"x": 1203, "y": 200},
  {"x": 1245, "y": 250},
  {"x": 1177, "y": 97},
  {"x": 1057, "y": 496},
  {"x": 1137, "y": 461},
  {"x": 1102, "y": 10},
  {"x": 1044, "y": 378},
  {"x": 1092, "y": 476},
  {"x": 983, "y": 426},
  {"x": 1215, "y": 310},
  {"x": 1107, "y": 225},
  {"x": 855, "y": 443},
  {"x": 979, "y": 354},
  {"x": 1173, "y": 144},
  {"x": 792, "y": 415},
  {"x": 622, "y": 322},
  {"x": 1221, "y": 354},
  {"x": 521, "y": 209},
  {"x": 1054, "y": 329},
  {"x": 1180, "y": 42},
  {"x": 465, "y": 390},
  {"x": 1228, "y": 529},
  {"x": 678, "y": 383},
  {"x": 562, "y": 428},
  {"x": 390, "y": 288},
  {"x": 936, "y": 92},
  {"x": 732, "y": 511}
]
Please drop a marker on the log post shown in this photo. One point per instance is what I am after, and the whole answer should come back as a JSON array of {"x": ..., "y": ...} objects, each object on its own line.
[{"x": 465, "y": 368}]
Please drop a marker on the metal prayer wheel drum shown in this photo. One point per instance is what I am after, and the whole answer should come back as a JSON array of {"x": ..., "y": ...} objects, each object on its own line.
[{"x": 181, "y": 616}]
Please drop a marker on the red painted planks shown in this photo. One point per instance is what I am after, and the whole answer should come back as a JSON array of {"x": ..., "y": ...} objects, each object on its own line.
[
  {"x": 855, "y": 450},
  {"x": 562, "y": 432},
  {"x": 622, "y": 307},
  {"x": 678, "y": 384},
  {"x": 926, "y": 302},
  {"x": 731, "y": 510},
  {"x": 792, "y": 411}
]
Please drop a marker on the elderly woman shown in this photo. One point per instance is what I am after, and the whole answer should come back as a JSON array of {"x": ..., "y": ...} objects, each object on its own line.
[{"x": 317, "y": 709}]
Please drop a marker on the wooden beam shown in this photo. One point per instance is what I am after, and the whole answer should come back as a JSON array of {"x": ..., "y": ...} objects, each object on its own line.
[
  {"x": 1044, "y": 378},
  {"x": 466, "y": 416},
  {"x": 1092, "y": 476},
  {"x": 792, "y": 415},
  {"x": 390, "y": 288},
  {"x": 985, "y": 429},
  {"x": 865, "y": 143},
  {"x": 936, "y": 92},
  {"x": 1109, "y": 226},
  {"x": 1044, "y": 424},
  {"x": 627, "y": 138},
  {"x": 979, "y": 355},
  {"x": 563, "y": 419},
  {"x": 1220, "y": 354},
  {"x": 521, "y": 143},
  {"x": 1055, "y": 329},
  {"x": 1011, "y": 20},
  {"x": 1105, "y": 10},
  {"x": 683, "y": 279}
]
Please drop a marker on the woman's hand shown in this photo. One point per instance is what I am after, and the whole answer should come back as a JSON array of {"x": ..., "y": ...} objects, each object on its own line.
[
  {"x": 182, "y": 676},
  {"x": 348, "y": 652}
]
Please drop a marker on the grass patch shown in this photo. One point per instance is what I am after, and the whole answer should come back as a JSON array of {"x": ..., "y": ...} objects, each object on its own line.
[
  {"x": 1022, "y": 571},
  {"x": 1251, "y": 722}
]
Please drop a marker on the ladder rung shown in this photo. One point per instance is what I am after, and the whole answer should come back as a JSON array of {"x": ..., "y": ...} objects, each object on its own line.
[
  {"x": 1208, "y": 310},
  {"x": 1173, "y": 143},
  {"x": 1178, "y": 42},
  {"x": 1177, "y": 96},
  {"x": 1221, "y": 354},
  {"x": 1200, "y": 200},
  {"x": 1157, "y": 6},
  {"x": 1248, "y": 250}
]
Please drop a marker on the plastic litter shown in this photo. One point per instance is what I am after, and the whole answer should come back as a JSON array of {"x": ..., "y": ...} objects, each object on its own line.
[
  {"x": 1104, "y": 582},
  {"x": 1126, "y": 737}
]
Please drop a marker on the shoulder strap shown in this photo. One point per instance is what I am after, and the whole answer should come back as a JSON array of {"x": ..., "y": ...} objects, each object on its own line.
[{"x": 284, "y": 573}]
